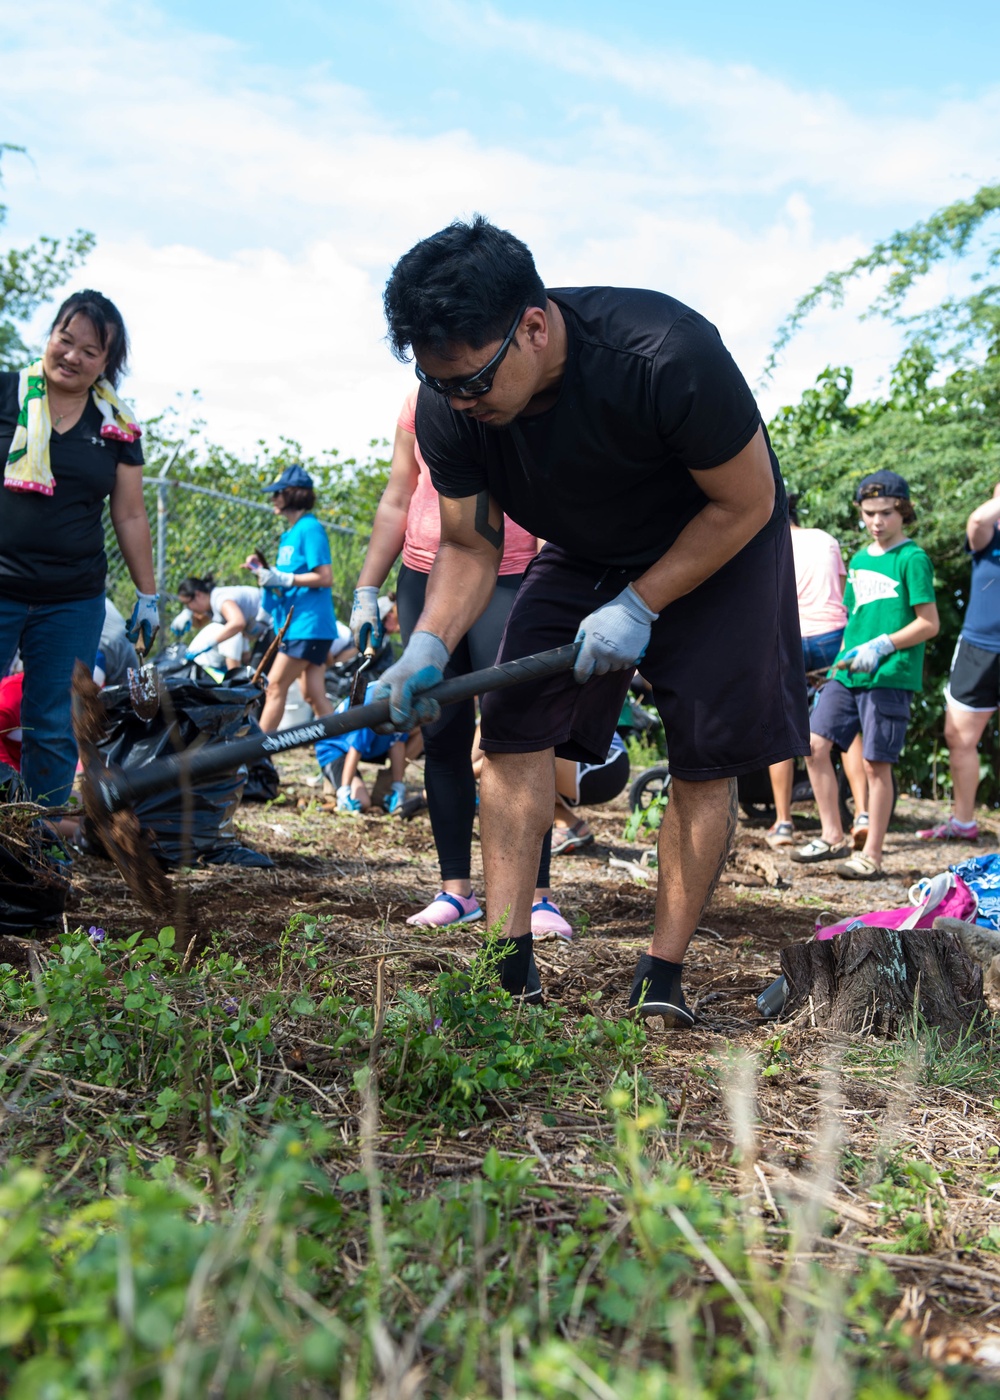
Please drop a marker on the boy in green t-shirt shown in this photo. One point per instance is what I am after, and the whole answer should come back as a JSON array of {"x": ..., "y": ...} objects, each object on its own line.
[{"x": 891, "y": 614}]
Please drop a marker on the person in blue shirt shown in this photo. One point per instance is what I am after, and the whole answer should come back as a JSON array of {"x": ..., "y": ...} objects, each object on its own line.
[
  {"x": 300, "y": 579},
  {"x": 339, "y": 755},
  {"x": 973, "y": 689}
]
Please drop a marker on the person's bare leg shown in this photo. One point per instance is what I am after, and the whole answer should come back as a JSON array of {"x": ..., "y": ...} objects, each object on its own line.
[
  {"x": 397, "y": 762},
  {"x": 781, "y": 786},
  {"x": 963, "y": 730},
  {"x": 314, "y": 691},
  {"x": 516, "y": 797},
  {"x": 284, "y": 670},
  {"x": 824, "y": 786},
  {"x": 565, "y": 816},
  {"x": 697, "y": 830},
  {"x": 879, "y": 777},
  {"x": 567, "y": 777},
  {"x": 349, "y": 772},
  {"x": 854, "y": 768}
]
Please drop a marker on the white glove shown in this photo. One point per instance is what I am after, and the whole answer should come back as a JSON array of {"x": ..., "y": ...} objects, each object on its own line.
[
  {"x": 614, "y": 637},
  {"x": 366, "y": 620},
  {"x": 273, "y": 578},
  {"x": 181, "y": 622},
  {"x": 868, "y": 657},
  {"x": 144, "y": 623},
  {"x": 420, "y": 667}
]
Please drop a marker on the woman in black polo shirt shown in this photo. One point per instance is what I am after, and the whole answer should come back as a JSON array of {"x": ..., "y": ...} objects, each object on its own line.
[{"x": 67, "y": 443}]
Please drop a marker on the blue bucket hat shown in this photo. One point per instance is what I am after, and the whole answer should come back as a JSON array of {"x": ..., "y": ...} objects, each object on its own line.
[{"x": 291, "y": 476}]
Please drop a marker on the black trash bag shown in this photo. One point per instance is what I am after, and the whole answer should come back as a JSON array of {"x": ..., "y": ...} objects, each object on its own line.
[
  {"x": 189, "y": 711},
  {"x": 33, "y": 882},
  {"x": 263, "y": 782}
]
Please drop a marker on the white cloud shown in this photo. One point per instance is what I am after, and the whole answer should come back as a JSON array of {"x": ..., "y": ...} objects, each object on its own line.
[
  {"x": 262, "y": 338},
  {"x": 761, "y": 132},
  {"x": 247, "y": 217}
]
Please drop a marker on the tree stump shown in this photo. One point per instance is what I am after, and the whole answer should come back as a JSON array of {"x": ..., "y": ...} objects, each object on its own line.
[{"x": 871, "y": 981}]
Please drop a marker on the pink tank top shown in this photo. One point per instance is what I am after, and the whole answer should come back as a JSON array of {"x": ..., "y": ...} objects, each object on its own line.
[{"x": 423, "y": 520}]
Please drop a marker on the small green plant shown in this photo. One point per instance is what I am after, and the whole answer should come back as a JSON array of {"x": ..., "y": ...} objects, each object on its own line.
[
  {"x": 911, "y": 1197},
  {"x": 645, "y": 750},
  {"x": 648, "y": 818},
  {"x": 776, "y": 1058}
]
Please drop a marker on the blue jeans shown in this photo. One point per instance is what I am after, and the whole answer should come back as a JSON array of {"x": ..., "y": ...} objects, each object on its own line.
[
  {"x": 51, "y": 637},
  {"x": 820, "y": 652}
]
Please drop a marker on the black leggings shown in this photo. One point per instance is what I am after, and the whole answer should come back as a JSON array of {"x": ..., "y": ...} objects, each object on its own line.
[{"x": 448, "y": 776}]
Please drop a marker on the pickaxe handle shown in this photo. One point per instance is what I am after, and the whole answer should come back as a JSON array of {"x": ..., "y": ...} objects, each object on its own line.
[{"x": 117, "y": 787}]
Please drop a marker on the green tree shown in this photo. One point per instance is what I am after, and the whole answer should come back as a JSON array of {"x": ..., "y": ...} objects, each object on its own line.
[
  {"x": 938, "y": 424},
  {"x": 28, "y": 277},
  {"x": 957, "y": 327}
]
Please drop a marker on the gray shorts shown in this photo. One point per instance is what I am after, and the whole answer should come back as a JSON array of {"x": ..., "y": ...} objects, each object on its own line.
[{"x": 880, "y": 713}]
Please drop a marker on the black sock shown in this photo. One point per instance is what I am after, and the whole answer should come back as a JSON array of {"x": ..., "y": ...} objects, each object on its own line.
[
  {"x": 648, "y": 966},
  {"x": 518, "y": 973},
  {"x": 657, "y": 981}
]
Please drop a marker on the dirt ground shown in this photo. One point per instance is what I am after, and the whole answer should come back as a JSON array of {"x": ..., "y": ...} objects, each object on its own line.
[{"x": 368, "y": 873}]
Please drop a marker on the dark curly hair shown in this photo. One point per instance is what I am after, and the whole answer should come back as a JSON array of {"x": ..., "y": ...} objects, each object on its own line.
[
  {"x": 107, "y": 321},
  {"x": 461, "y": 286}
]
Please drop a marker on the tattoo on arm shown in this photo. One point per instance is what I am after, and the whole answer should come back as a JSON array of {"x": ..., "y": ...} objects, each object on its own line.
[
  {"x": 483, "y": 526},
  {"x": 732, "y": 817}
]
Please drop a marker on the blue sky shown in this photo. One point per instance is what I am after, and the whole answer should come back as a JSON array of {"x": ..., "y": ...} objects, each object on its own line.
[{"x": 252, "y": 171}]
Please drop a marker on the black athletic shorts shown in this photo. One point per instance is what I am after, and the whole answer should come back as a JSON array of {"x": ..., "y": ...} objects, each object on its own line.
[
  {"x": 974, "y": 679},
  {"x": 724, "y": 662}
]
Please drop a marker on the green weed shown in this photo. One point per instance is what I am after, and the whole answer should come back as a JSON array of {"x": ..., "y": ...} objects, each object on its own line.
[
  {"x": 648, "y": 818},
  {"x": 181, "y": 1215}
]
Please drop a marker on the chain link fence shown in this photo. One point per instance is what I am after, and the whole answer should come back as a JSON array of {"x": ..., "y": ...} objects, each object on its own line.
[{"x": 198, "y": 531}]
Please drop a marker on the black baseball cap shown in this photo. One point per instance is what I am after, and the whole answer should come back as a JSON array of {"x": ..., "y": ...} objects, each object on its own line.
[
  {"x": 882, "y": 484},
  {"x": 291, "y": 476}
]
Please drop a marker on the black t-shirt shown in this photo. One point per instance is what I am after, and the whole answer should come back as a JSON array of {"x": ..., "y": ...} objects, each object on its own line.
[
  {"x": 649, "y": 393},
  {"x": 52, "y": 547}
]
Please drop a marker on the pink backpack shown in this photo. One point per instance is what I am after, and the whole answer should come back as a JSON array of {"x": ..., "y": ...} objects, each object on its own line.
[{"x": 945, "y": 896}]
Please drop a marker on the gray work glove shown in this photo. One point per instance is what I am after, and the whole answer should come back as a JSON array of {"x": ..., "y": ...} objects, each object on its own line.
[
  {"x": 273, "y": 578},
  {"x": 366, "y": 620},
  {"x": 615, "y": 637},
  {"x": 868, "y": 657},
  {"x": 420, "y": 667}
]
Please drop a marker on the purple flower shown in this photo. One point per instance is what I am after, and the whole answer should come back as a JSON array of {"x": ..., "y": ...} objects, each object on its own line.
[
  {"x": 230, "y": 1007},
  {"x": 436, "y": 1024},
  {"x": 96, "y": 935}
]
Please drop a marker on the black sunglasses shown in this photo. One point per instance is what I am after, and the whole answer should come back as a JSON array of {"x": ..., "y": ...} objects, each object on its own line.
[{"x": 479, "y": 383}]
